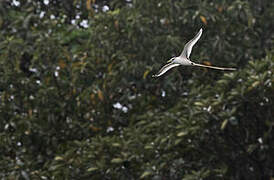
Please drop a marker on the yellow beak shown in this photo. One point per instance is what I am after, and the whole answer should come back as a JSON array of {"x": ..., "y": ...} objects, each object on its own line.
[{"x": 169, "y": 61}]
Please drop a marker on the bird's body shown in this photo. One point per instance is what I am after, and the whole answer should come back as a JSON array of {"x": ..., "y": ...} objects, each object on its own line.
[{"x": 184, "y": 59}]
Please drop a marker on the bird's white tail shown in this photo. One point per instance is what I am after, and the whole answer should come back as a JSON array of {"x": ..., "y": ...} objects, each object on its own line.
[{"x": 214, "y": 67}]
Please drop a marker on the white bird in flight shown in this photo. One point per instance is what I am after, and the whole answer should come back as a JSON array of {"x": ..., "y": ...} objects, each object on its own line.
[{"x": 184, "y": 59}]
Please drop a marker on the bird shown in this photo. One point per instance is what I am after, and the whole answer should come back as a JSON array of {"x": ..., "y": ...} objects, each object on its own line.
[{"x": 184, "y": 60}]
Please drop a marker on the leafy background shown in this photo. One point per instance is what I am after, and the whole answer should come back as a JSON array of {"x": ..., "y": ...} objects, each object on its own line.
[{"x": 77, "y": 100}]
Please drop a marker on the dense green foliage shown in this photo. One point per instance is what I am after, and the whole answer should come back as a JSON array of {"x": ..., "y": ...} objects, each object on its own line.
[{"x": 78, "y": 101}]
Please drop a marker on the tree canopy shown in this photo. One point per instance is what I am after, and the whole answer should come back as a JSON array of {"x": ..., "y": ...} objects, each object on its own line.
[{"x": 77, "y": 100}]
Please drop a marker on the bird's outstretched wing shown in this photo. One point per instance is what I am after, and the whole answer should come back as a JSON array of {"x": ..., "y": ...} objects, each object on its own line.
[
  {"x": 165, "y": 68},
  {"x": 188, "y": 47}
]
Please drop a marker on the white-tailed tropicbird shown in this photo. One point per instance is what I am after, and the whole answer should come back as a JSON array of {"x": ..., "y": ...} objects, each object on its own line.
[{"x": 184, "y": 59}]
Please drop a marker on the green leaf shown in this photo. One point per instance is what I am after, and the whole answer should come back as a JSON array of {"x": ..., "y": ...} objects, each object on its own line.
[
  {"x": 183, "y": 133},
  {"x": 224, "y": 123},
  {"x": 148, "y": 147},
  {"x": 58, "y": 158},
  {"x": 116, "y": 160},
  {"x": 177, "y": 141},
  {"x": 145, "y": 174},
  {"x": 92, "y": 169},
  {"x": 116, "y": 145}
]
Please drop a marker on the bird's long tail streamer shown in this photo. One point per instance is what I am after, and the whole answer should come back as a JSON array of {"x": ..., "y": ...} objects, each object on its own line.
[{"x": 214, "y": 67}]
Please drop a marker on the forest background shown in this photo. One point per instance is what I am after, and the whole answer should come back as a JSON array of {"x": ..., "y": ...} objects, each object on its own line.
[{"x": 77, "y": 100}]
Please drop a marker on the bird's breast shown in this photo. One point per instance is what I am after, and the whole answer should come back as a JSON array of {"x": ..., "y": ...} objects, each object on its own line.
[{"x": 183, "y": 61}]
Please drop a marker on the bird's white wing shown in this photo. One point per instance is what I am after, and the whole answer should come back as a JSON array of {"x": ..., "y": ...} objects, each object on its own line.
[
  {"x": 188, "y": 47},
  {"x": 165, "y": 68}
]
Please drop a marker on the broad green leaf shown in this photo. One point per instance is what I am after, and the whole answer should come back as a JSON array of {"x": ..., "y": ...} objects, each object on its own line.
[{"x": 116, "y": 160}]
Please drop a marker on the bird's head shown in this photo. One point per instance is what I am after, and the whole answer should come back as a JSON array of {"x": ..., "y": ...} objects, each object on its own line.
[{"x": 171, "y": 60}]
